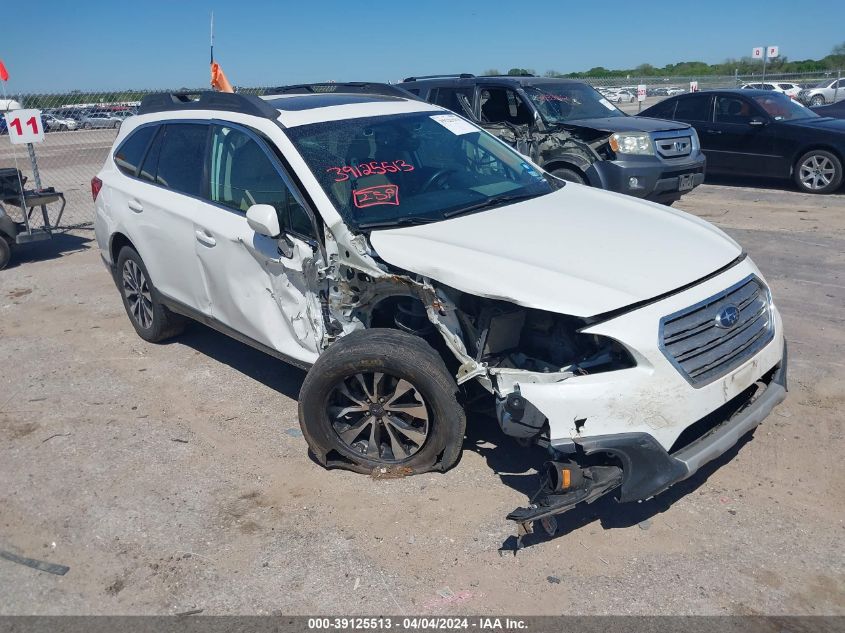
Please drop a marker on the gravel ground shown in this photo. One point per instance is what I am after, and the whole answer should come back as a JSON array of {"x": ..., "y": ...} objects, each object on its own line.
[{"x": 174, "y": 477}]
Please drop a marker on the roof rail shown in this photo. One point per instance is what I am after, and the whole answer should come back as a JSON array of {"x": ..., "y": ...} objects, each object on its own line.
[
  {"x": 366, "y": 87},
  {"x": 519, "y": 75},
  {"x": 207, "y": 100},
  {"x": 456, "y": 75}
]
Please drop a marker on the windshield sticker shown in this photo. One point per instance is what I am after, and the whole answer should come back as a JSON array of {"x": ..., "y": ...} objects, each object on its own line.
[
  {"x": 531, "y": 171},
  {"x": 372, "y": 196},
  {"x": 455, "y": 124},
  {"x": 369, "y": 169},
  {"x": 547, "y": 96},
  {"x": 607, "y": 104}
]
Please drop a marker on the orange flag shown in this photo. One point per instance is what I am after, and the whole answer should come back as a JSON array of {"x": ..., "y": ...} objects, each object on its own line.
[
  {"x": 218, "y": 79},
  {"x": 4, "y": 74}
]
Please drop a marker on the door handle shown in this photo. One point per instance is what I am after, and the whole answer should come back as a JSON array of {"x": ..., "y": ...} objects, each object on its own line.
[
  {"x": 714, "y": 131},
  {"x": 204, "y": 237},
  {"x": 136, "y": 206}
]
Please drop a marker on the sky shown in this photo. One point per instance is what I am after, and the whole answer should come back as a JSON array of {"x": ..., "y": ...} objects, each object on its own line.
[{"x": 152, "y": 44}]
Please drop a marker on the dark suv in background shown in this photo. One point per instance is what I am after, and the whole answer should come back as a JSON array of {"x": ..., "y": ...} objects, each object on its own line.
[{"x": 572, "y": 131}]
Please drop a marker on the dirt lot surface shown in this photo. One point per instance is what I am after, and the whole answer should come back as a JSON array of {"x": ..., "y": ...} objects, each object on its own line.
[{"x": 174, "y": 477}]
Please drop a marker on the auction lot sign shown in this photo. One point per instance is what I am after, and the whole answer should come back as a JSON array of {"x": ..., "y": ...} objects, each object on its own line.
[{"x": 24, "y": 126}]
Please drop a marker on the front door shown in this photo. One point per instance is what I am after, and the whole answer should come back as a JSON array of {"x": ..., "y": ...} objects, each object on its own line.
[
  {"x": 264, "y": 288},
  {"x": 740, "y": 139}
]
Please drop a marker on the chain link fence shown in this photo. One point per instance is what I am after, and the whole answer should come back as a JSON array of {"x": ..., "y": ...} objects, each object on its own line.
[{"x": 81, "y": 127}]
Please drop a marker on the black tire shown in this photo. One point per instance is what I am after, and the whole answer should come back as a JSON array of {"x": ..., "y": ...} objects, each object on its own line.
[
  {"x": 818, "y": 171},
  {"x": 151, "y": 319},
  {"x": 5, "y": 252},
  {"x": 817, "y": 100},
  {"x": 569, "y": 175},
  {"x": 86, "y": 126},
  {"x": 402, "y": 359}
]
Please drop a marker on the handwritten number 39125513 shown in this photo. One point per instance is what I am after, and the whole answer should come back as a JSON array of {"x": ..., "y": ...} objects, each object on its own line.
[{"x": 369, "y": 169}]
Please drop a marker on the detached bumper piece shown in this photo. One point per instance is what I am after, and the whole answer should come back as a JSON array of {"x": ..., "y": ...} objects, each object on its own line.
[{"x": 565, "y": 485}]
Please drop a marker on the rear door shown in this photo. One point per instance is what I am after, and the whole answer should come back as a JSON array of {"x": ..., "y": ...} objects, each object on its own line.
[
  {"x": 263, "y": 288},
  {"x": 163, "y": 203},
  {"x": 697, "y": 110}
]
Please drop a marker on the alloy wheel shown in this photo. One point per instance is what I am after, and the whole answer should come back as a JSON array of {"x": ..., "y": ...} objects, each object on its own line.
[
  {"x": 379, "y": 416},
  {"x": 138, "y": 296},
  {"x": 816, "y": 172}
]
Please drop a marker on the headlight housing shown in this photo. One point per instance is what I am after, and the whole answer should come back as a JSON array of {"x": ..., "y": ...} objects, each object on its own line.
[{"x": 635, "y": 143}]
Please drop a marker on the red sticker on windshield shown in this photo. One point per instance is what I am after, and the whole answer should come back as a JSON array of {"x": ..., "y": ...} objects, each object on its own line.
[{"x": 380, "y": 194}]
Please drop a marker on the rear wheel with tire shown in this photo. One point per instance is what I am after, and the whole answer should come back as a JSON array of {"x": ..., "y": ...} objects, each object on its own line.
[
  {"x": 382, "y": 398},
  {"x": 569, "y": 175},
  {"x": 5, "y": 252},
  {"x": 86, "y": 126},
  {"x": 151, "y": 319},
  {"x": 818, "y": 171}
]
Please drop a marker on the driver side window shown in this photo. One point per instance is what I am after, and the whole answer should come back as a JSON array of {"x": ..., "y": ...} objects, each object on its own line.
[
  {"x": 733, "y": 110},
  {"x": 500, "y": 105},
  {"x": 242, "y": 174}
]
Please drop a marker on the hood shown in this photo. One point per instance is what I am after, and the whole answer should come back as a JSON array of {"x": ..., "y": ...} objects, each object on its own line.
[
  {"x": 577, "y": 251},
  {"x": 822, "y": 123},
  {"x": 628, "y": 124}
]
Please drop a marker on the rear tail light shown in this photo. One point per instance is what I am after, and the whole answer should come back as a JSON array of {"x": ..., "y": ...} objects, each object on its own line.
[{"x": 96, "y": 185}]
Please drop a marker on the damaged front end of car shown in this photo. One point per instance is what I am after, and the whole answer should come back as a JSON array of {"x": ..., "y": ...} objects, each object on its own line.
[{"x": 488, "y": 343}]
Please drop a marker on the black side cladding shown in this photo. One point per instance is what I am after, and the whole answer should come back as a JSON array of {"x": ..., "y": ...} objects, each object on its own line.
[{"x": 209, "y": 100}]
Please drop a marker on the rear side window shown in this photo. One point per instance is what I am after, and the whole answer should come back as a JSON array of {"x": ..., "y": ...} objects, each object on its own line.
[
  {"x": 148, "y": 169},
  {"x": 694, "y": 108},
  {"x": 448, "y": 98},
  {"x": 129, "y": 155},
  {"x": 180, "y": 161}
]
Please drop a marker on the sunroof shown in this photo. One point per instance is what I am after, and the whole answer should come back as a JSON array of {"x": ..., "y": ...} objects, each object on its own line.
[{"x": 323, "y": 100}]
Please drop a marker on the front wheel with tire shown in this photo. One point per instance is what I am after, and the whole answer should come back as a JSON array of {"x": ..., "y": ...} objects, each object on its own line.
[
  {"x": 817, "y": 100},
  {"x": 382, "y": 398},
  {"x": 570, "y": 175},
  {"x": 151, "y": 319},
  {"x": 818, "y": 171},
  {"x": 86, "y": 126}
]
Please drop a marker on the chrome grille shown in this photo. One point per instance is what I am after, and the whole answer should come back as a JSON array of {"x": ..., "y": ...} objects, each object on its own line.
[
  {"x": 674, "y": 147},
  {"x": 703, "y": 348}
]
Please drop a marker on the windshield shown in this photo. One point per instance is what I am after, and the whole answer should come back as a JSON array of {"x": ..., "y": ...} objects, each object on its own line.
[
  {"x": 413, "y": 168},
  {"x": 559, "y": 103},
  {"x": 781, "y": 108}
]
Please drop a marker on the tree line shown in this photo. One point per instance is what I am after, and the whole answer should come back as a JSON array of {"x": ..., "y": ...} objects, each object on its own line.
[{"x": 743, "y": 66}]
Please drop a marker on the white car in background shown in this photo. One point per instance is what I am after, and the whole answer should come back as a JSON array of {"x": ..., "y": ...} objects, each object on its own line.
[
  {"x": 789, "y": 89},
  {"x": 56, "y": 123},
  {"x": 411, "y": 262}
]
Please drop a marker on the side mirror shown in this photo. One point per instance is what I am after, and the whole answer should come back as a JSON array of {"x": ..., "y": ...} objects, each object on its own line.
[
  {"x": 263, "y": 219},
  {"x": 757, "y": 121}
]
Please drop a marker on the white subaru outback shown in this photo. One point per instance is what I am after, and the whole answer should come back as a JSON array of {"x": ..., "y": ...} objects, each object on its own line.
[{"x": 416, "y": 265}]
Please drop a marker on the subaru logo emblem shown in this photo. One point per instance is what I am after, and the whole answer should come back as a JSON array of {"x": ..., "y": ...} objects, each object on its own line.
[{"x": 727, "y": 317}]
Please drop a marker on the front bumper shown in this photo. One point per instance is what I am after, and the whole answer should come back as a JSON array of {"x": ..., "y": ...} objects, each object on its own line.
[
  {"x": 656, "y": 179},
  {"x": 648, "y": 469}
]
